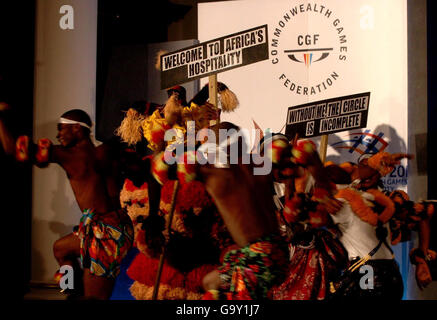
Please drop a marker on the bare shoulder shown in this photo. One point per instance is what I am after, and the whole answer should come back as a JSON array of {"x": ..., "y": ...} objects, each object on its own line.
[
  {"x": 102, "y": 149},
  {"x": 105, "y": 151},
  {"x": 221, "y": 181}
]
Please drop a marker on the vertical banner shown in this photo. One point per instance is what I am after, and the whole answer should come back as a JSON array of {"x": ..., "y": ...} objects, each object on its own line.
[{"x": 321, "y": 50}]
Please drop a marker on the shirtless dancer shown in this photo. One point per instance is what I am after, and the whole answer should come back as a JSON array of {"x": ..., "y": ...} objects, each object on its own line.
[
  {"x": 245, "y": 202},
  {"x": 105, "y": 232}
]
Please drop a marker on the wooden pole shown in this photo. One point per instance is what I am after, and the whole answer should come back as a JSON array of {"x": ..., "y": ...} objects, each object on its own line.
[
  {"x": 323, "y": 147},
  {"x": 162, "y": 257},
  {"x": 212, "y": 84}
]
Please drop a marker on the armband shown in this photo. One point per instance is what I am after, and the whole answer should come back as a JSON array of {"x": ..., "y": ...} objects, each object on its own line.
[
  {"x": 186, "y": 168},
  {"x": 160, "y": 168},
  {"x": 302, "y": 151},
  {"x": 43, "y": 151},
  {"x": 276, "y": 148},
  {"x": 22, "y": 149}
]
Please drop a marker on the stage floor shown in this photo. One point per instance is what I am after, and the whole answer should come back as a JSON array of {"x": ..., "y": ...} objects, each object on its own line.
[{"x": 41, "y": 293}]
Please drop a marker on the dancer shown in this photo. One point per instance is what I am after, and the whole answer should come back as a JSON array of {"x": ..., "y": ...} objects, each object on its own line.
[
  {"x": 245, "y": 202},
  {"x": 105, "y": 233},
  {"x": 364, "y": 224},
  {"x": 153, "y": 125},
  {"x": 408, "y": 216},
  {"x": 316, "y": 255},
  {"x": 197, "y": 234}
]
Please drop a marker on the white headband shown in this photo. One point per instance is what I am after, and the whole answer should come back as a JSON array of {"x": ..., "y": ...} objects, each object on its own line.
[{"x": 69, "y": 121}]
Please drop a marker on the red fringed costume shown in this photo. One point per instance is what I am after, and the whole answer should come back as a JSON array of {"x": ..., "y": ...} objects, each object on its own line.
[
  {"x": 188, "y": 255},
  {"x": 311, "y": 268}
]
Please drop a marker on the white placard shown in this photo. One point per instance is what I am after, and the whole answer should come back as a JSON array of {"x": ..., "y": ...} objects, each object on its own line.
[{"x": 321, "y": 50}]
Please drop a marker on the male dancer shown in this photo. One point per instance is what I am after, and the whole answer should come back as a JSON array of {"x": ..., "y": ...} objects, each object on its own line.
[
  {"x": 105, "y": 233},
  {"x": 245, "y": 202}
]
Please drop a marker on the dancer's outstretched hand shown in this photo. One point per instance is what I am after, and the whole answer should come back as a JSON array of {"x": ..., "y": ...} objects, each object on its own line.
[
  {"x": 395, "y": 158},
  {"x": 423, "y": 275}
]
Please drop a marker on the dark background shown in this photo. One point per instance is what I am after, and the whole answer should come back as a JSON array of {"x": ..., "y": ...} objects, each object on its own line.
[
  {"x": 124, "y": 30},
  {"x": 17, "y": 27},
  {"x": 432, "y": 112}
]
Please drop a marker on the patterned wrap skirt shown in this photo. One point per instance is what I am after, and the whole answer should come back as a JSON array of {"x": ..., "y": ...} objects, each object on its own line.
[
  {"x": 105, "y": 239},
  {"x": 249, "y": 272}
]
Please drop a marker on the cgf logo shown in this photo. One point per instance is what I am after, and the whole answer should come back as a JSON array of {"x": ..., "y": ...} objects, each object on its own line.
[
  {"x": 308, "y": 52},
  {"x": 323, "y": 42}
]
